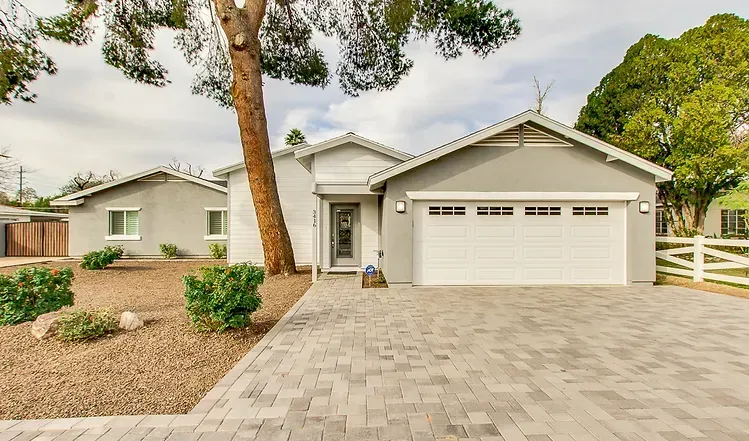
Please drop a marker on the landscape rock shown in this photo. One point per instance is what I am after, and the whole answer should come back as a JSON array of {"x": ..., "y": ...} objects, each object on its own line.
[
  {"x": 45, "y": 326},
  {"x": 130, "y": 321}
]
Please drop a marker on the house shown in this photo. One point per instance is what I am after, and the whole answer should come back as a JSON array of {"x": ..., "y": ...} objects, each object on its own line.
[
  {"x": 146, "y": 209},
  {"x": 525, "y": 201},
  {"x": 12, "y": 215},
  {"x": 720, "y": 221}
]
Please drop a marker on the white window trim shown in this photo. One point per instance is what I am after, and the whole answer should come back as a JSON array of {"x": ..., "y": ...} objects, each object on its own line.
[
  {"x": 120, "y": 237},
  {"x": 216, "y": 236}
]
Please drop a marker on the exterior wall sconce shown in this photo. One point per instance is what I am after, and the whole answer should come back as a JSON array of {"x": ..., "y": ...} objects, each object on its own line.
[
  {"x": 400, "y": 206},
  {"x": 644, "y": 207}
]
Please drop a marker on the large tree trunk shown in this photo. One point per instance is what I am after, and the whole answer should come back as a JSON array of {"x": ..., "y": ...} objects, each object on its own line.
[{"x": 241, "y": 26}]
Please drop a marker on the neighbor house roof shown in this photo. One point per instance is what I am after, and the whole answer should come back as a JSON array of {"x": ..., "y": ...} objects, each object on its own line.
[
  {"x": 613, "y": 153},
  {"x": 6, "y": 210},
  {"x": 343, "y": 139},
  {"x": 219, "y": 172},
  {"x": 77, "y": 198}
]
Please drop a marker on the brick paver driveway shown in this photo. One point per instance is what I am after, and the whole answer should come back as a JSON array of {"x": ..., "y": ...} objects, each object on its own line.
[{"x": 566, "y": 363}]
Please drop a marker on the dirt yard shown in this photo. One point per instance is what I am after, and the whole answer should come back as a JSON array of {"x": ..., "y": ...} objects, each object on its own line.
[
  {"x": 718, "y": 288},
  {"x": 163, "y": 368}
]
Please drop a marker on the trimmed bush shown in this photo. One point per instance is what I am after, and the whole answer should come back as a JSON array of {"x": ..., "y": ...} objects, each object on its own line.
[
  {"x": 96, "y": 260},
  {"x": 218, "y": 250},
  {"x": 224, "y": 297},
  {"x": 168, "y": 250},
  {"x": 31, "y": 292},
  {"x": 81, "y": 325}
]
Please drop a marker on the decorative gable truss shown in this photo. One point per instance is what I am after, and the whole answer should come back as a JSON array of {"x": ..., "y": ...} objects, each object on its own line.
[{"x": 522, "y": 135}]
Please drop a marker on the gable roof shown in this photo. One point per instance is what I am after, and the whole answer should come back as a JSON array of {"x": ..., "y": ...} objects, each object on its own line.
[
  {"x": 77, "y": 198},
  {"x": 613, "y": 153},
  {"x": 343, "y": 139},
  {"x": 219, "y": 172},
  {"x": 15, "y": 211}
]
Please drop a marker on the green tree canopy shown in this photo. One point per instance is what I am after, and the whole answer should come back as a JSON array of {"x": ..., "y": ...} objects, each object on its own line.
[
  {"x": 681, "y": 103},
  {"x": 232, "y": 46},
  {"x": 294, "y": 137}
]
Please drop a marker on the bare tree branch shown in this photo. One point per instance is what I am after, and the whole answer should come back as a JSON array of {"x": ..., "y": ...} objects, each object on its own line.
[
  {"x": 541, "y": 95},
  {"x": 194, "y": 170}
]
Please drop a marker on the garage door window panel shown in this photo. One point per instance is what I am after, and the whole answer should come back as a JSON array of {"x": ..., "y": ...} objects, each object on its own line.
[
  {"x": 494, "y": 211},
  {"x": 447, "y": 210},
  {"x": 590, "y": 211},
  {"x": 543, "y": 211}
]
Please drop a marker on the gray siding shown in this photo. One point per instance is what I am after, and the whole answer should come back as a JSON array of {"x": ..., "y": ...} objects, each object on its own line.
[
  {"x": 171, "y": 212},
  {"x": 550, "y": 169}
]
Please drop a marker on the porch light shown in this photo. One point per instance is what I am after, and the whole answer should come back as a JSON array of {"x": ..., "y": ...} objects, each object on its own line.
[
  {"x": 644, "y": 207},
  {"x": 400, "y": 206}
]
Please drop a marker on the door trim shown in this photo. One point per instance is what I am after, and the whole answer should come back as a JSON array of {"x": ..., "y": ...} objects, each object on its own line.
[{"x": 354, "y": 262}]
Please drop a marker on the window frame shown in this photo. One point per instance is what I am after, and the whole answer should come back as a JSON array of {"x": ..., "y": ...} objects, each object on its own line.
[
  {"x": 661, "y": 224},
  {"x": 224, "y": 223},
  {"x": 122, "y": 237},
  {"x": 733, "y": 218}
]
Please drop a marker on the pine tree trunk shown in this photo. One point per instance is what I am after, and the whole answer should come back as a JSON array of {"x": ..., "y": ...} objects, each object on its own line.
[{"x": 241, "y": 26}]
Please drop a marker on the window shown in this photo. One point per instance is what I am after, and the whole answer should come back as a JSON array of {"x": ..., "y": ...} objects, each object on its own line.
[
  {"x": 590, "y": 211},
  {"x": 732, "y": 222},
  {"x": 543, "y": 211},
  {"x": 447, "y": 211},
  {"x": 494, "y": 211},
  {"x": 216, "y": 222},
  {"x": 123, "y": 224},
  {"x": 661, "y": 225}
]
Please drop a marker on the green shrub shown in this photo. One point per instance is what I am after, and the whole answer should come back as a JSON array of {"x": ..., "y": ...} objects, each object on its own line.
[
  {"x": 168, "y": 250},
  {"x": 31, "y": 292},
  {"x": 218, "y": 250},
  {"x": 80, "y": 325},
  {"x": 96, "y": 260},
  {"x": 224, "y": 297}
]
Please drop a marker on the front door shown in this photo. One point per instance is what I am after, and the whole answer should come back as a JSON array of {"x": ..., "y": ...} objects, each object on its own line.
[{"x": 344, "y": 235}]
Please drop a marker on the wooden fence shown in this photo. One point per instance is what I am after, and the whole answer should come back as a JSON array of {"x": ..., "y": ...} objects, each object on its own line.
[
  {"x": 36, "y": 239},
  {"x": 706, "y": 260}
]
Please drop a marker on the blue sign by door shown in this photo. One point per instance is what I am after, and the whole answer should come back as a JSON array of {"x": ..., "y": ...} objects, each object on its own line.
[{"x": 370, "y": 270}]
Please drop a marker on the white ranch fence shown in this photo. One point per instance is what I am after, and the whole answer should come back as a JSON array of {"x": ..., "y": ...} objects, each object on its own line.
[{"x": 704, "y": 258}]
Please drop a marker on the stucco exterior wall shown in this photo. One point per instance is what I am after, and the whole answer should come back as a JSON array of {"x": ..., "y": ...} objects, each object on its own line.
[
  {"x": 171, "y": 212},
  {"x": 540, "y": 169}
]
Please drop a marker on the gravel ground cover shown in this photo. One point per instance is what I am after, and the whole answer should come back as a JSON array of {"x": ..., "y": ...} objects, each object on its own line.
[{"x": 162, "y": 368}]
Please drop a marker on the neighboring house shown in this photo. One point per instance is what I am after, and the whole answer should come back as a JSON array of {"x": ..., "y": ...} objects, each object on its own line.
[
  {"x": 11, "y": 215},
  {"x": 14, "y": 214},
  {"x": 525, "y": 201},
  {"x": 719, "y": 221},
  {"x": 146, "y": 209}
]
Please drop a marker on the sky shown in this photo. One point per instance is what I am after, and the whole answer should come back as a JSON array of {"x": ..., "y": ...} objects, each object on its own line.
[{"x": 89, "y": 117}]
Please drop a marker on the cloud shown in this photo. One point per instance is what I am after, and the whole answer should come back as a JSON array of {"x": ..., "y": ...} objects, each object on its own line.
[{"x": 90, "y": 117}]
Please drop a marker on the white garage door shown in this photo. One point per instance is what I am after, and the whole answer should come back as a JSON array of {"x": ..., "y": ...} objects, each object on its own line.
[{"x": 516, "y": 243}]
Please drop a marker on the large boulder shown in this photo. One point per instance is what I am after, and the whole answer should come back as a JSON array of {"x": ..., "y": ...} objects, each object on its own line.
[
  {"x": 46, "y": 325},
  {"x": 130, "y": 321}
]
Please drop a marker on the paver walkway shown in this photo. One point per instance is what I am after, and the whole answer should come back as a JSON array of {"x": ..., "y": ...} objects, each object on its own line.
[
  {"x": 562, "y": 364},
  {"x": 16, "y": 261}
]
